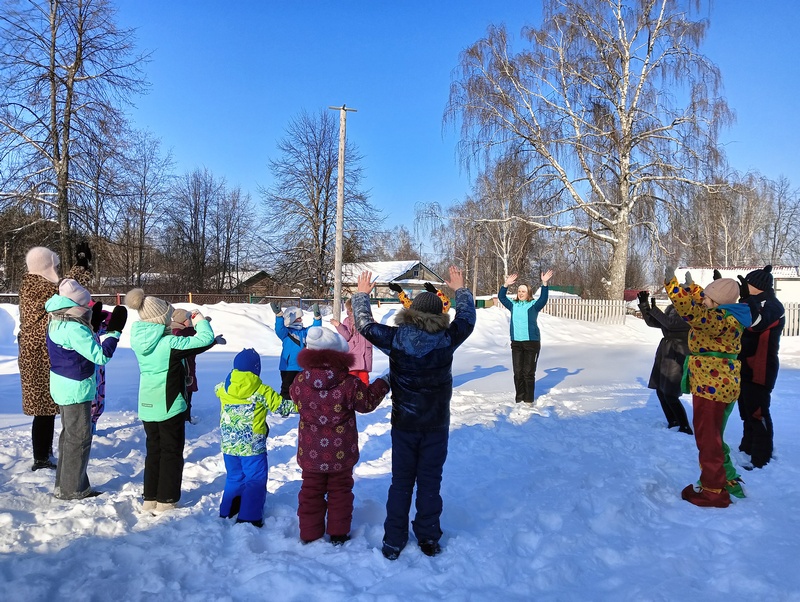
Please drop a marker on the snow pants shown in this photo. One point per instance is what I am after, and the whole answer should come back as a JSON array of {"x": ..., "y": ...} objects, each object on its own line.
[
  {"x": 417, "y": 458},
  {"x": 42, "y": 434},
  {"x": 710, "y": 418},
  {"x": 247, "y": 480},
  {"x": 524, "y": 357},
  {"x": 313, "y": 505},
  {"x": 754, "y": 401},
  {"x": 287, "y": 378},
  {"x": 74, "y": 445},
  {"x": 163, "y": 464}
]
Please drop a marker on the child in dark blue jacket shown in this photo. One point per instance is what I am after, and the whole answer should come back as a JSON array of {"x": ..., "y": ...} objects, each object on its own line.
[{"x": 420, "y": 350}]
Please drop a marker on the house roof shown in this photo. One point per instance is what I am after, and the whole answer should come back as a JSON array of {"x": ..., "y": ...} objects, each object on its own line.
[
  {"x": 384, "y": 271},
  {"x": 704, "y": 274}
]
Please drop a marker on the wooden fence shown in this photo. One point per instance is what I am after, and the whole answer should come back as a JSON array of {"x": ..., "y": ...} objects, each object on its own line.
[{"x": 591, "y": 310}]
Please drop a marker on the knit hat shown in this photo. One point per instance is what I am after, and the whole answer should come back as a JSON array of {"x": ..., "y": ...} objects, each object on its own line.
[
  {"x": 723, "y": 291},
  {"x": 43, "y": 262},
  {"x": 151, "y": 309},
  {"x": 180, "y": 315},
  {"x": 322, "y": 338},
  {"x": 428, "y": 303},
  {"x": 73, "y": 290},
  {"x": 290, "y": 314},
  {"x": 248, "y": 360},
  {"x": 760, "y": 279}
]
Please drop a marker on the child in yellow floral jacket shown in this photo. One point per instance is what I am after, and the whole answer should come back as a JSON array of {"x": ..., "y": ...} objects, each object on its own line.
[
  {"x": 243, "y": 425},
  {"x": 711, "y": 375}
]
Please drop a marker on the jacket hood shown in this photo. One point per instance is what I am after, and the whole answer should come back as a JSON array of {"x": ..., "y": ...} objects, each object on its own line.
[
  {"x": 740, "y": 311},
  {"x": 431, "y": 323},
  {"x": 57, "y": 302},
  {"x": 325, "y": 359},
  {"x": 145, "y": 336},
  {"x": 241, "y": 384}
]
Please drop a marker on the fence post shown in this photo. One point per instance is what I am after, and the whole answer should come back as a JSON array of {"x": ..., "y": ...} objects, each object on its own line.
[
  {"x": 190, "y": 296},
  {"x": 118, "y": 300}
]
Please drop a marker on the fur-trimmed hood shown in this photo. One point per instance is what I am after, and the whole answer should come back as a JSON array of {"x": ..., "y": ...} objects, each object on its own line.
[
  {"x": 431, "y": 323},
  {"x": 338, "y": 361}
]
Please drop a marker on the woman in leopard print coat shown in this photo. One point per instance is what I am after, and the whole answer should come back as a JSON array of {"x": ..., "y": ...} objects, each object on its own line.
[{"x": 38, "y": 285}]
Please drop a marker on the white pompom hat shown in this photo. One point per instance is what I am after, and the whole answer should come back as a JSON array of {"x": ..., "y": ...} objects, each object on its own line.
[{"x": 322, "y": 338}]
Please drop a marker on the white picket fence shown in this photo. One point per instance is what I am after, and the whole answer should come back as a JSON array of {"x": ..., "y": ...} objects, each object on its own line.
[
  {"x": 591, "y": 310},
  {"x": 613, "y": 312}
]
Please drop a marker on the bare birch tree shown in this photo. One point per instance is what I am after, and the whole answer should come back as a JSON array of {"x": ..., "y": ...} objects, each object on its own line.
[
  {"x": 610, "y": 99},
  {"x": 64, "y": 65}
]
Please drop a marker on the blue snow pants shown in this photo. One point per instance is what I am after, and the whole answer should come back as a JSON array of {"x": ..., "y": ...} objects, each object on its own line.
[
  {"x": 417, "y": 458},
  {"x": 247, "y": 480}
]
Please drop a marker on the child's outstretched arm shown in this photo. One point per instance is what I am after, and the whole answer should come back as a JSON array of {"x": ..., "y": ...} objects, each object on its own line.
[
  {"x": 369, "y": 397},
  {"x": 275, "y": 403}
]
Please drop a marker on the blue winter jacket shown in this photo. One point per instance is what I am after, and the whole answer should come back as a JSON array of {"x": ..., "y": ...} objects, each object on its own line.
[
  {"x": 74, "y": 351},
  {"x": 294, "y": 341},
  {"x": 420, "y": 350},
  {"x": 524, "y": 314}
]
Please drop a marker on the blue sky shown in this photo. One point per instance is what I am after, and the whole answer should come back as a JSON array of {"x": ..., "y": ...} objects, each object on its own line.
[{"x": 228, "y": 76}]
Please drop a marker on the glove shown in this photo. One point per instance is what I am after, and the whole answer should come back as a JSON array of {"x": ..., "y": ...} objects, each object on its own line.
[
  {"x": 669, "y": 273},
  {"x": 315, "y": 310},
  {"x": 653, "y": 302},
  {"x": 688, "y": 279},
  {"x": 220, "y": 340},
  {"x": 642, "y": 296},
  {"x": 430, "y": 288},
  {"x": 118, "y": 319},
  {"x": 717, "y": 275},
  {"x": 97, "y": 315},
  {"x": 287, "y": 407},
  {"x": 744, "y": 290},
  {"x": 396, "y": 287},
  {"x": 275, "y": 308},
  {"x": 83, "y": 255}
]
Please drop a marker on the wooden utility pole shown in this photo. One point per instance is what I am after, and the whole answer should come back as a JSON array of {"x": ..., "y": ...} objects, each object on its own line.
[{"x": 337, "y": 265}]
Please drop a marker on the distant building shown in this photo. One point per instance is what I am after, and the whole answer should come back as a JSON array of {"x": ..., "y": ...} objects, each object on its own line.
[
  {"x": 411, "y": 275},
  {"x": 786, "y": 278}
]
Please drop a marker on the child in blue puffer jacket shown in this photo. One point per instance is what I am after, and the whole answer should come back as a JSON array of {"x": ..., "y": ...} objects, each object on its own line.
[{"x": 289, "y": 328}]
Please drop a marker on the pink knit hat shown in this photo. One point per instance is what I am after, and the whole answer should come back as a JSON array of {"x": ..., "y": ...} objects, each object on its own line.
[{"x": 723, "y": 291}]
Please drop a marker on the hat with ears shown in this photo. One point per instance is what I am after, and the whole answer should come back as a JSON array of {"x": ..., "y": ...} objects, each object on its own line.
[
  {"x": 151, "y": 309},
  {"x": 290, "y": 314},
  {"x": 73, "y": 290},
  {"x": 760, "y": 279},
  {"x": 248, "y": 360},
  {"x": 322, "y": 338},
  {"x": 429, "y": 303},
  {"x": 723, "y": 291},
  {"x": 43, "y": 262}
]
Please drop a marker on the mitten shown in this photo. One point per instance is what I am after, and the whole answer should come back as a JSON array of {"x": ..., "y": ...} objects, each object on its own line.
[
  {"x": 744, "y": 290},
  {"x": 287, "y": 407},
  {"x": 653, "y": 302},
  {"x": 118, "y": 319},
  {"x": 97, "y": 315},
  {"x": 687, "y": 282},
  {"x": 220, "y": 340},
  {"x": 396, "y": 287},
  {"x": 669, "y": 273},
  {"x": 430, "y": 288},
  {"x": 717, "y": 275},
  {"x": 642, "y": 296},
  {"x": 275, "y": 308},
  {"x": 315, "y": 311},
  {"x": 83, "y": 255}
]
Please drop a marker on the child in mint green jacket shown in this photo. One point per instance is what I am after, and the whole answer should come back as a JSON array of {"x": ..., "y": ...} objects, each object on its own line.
[{"x": 243, "y": 424}]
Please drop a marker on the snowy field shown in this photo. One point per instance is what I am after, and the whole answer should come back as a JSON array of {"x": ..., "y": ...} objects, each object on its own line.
[{"x": 575, "y": 499}]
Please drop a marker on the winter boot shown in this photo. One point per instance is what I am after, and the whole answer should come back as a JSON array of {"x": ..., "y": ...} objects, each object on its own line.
[
  {"x": 148, "y": 505},
  {"x": 430, "y": 547},
  {"x": 165, "y": 506},
  {"x": 339, "y": 540},
  {"x": 39, "y": 464},
  {"x": 699, "y": 496},
  {"x": 390, "y": 552}
]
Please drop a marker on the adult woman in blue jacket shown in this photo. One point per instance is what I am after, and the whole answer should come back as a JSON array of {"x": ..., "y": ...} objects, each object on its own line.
[{"x": 525, "y": 340}]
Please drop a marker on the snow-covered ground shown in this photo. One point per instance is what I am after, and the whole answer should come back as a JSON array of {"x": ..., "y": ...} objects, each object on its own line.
[{"x": 575, "y": 499}]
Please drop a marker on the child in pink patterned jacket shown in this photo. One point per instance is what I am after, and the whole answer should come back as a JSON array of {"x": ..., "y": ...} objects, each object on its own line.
[{"x": 327, "y": 398}]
